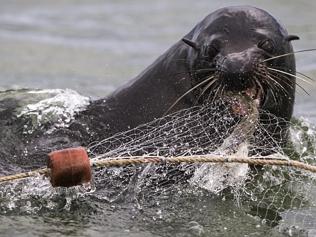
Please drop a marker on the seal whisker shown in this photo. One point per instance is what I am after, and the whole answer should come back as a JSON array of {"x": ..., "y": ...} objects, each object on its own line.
[
  {"x": 206, "y": 88},
  {"x": 189, "y": 91},
  {"x": 287, "y": 54},
  {"x": 302, "y": 74},
  {"x": 281, "y": 77},
  {"x": 308, "y": 77},
  {"x": 289, "y": 74},
  {"x": 265, "y": 74},
  {"x": 272, "y": 86},
  {"x": 259, "y": 84},
  {"x": 222, "y": 90},
  {"x": 277, "y": 84},
  {"x": 276, "y": 80},
  {"x": 288, "y": 83},
  {"x": 215, "y": 94}
]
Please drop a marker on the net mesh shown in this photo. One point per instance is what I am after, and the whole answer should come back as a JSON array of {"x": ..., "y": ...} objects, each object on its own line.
[
  {"x": 270, "y": 193},
  {"x": 224, "y": 127}
]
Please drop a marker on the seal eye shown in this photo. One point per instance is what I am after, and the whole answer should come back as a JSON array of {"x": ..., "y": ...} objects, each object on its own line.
[
  {"x": 213, "y": 50},
  {"x": 267, "y": 45}
]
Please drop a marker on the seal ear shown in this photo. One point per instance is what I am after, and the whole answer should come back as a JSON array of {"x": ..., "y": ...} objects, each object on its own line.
[
  {"x": 292, "y": 37},
  {"x": 191, "y": 44}
]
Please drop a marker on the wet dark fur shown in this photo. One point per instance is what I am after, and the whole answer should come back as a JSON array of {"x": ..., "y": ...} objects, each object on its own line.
[{"x": 229, "y": 44}]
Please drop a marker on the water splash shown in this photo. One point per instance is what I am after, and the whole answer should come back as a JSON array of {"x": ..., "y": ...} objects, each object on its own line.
[{"x": 57, "y": 110}]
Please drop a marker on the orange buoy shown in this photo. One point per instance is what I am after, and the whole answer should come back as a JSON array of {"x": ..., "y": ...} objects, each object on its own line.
[{"x": 69, "y": 167}]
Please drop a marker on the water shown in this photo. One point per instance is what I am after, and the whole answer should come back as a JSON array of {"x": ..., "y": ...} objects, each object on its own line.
[{"x": 93, "y": 47}]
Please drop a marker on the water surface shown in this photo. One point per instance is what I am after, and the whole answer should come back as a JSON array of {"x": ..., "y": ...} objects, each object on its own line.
[{"x": 95, "y": 46}]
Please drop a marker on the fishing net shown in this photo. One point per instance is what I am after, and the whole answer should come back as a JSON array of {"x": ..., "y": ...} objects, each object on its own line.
[
  {"x": 279, "y": 196},
  {"x": 221, "y": 128}
]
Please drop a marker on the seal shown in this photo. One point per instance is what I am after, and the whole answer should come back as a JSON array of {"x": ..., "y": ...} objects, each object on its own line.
[
  {"x": 231, "y": 50},
  {"x": 239, "y": 49}
]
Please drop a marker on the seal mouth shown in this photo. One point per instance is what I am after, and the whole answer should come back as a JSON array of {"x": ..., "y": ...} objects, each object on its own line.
[
  {"x": 240, "y": 101},
  {"x": 249, "y": 85},
  {"x": 254, "y": 93}
]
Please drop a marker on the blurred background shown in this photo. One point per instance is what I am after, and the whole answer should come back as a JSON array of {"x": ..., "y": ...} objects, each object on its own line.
[{"x": 94, "y": 46}]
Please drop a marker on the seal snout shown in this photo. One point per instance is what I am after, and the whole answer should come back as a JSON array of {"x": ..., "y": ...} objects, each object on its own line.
[{"x": 237, "y": 70}]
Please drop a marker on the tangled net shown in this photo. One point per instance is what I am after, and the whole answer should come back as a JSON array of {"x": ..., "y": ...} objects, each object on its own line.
[
  {"x": 232, "y": 126},
  {"x": 220, "y": 128}
]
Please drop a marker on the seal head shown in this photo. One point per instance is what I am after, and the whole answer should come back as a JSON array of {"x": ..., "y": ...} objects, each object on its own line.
[
  {"x": 224, "y": 53},
  {"x": 235, "y": 46}
]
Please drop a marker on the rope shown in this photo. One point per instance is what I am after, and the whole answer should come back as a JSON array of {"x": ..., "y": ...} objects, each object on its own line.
[
  {"x": 43, "y": 171},
  {"x": 138, "y": 160}
]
